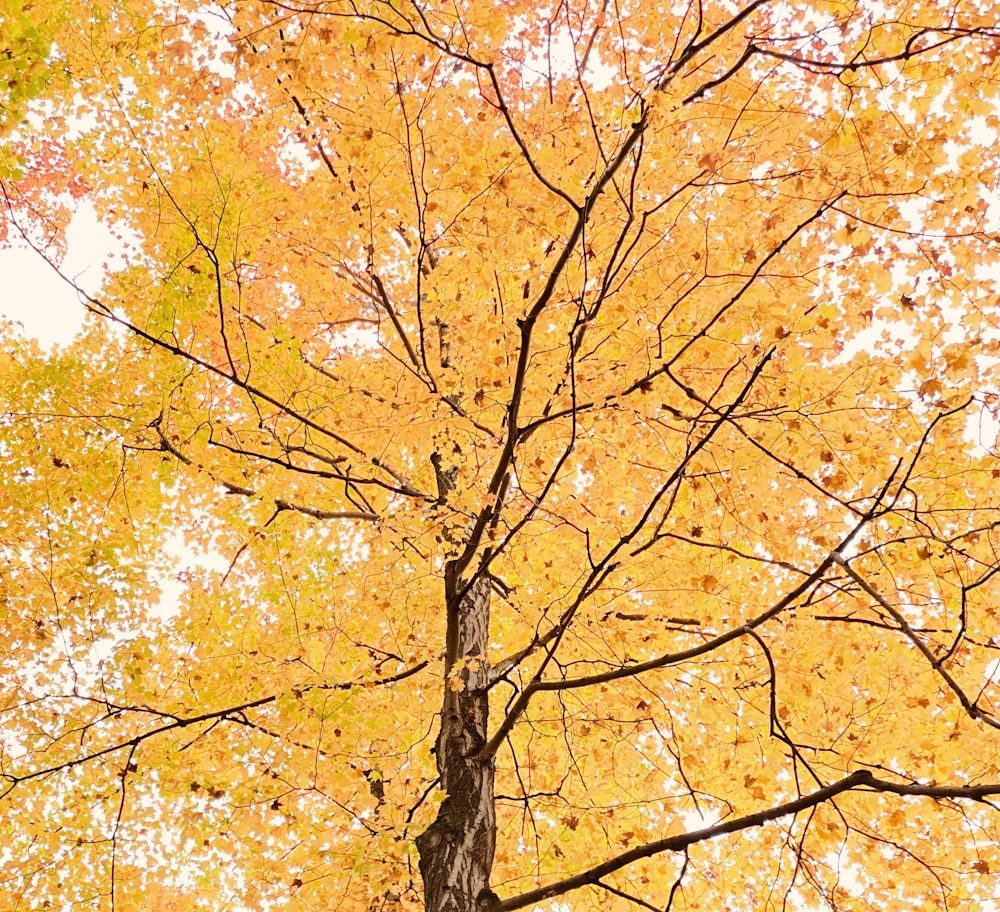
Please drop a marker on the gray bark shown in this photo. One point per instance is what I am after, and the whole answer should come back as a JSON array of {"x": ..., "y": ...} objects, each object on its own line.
[{"x": 456, "y": 850}]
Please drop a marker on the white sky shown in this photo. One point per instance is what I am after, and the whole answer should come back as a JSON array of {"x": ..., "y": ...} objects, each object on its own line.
[{"x": 32, "y": 294}]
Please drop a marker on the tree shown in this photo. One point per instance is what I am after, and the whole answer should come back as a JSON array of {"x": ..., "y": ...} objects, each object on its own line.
[{"x": 534, "y": 457}]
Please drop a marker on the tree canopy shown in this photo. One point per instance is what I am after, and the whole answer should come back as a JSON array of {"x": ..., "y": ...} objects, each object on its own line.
[{"x": 534, "y": 456}]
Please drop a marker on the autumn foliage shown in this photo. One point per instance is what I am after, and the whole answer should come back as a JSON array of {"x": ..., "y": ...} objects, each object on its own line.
[{"x": 536, "y": 456}]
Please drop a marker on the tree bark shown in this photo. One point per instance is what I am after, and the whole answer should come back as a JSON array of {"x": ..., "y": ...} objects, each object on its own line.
[{"x": 456, "y": 850}]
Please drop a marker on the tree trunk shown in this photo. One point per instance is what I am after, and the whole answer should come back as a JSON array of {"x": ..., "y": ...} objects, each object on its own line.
[{"x": 456, "y": 850}]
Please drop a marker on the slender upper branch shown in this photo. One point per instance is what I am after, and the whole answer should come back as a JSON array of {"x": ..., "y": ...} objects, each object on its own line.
[
  {"x": 606, "y": 565},
  {"x": 234, "y": 713},
  {"x": 970, "y": 706}
]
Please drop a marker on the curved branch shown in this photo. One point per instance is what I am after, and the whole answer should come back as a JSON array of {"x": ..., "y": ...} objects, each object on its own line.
[
  {"x": 279, "y": 503},
  {"x": 858, "y": 780}
]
